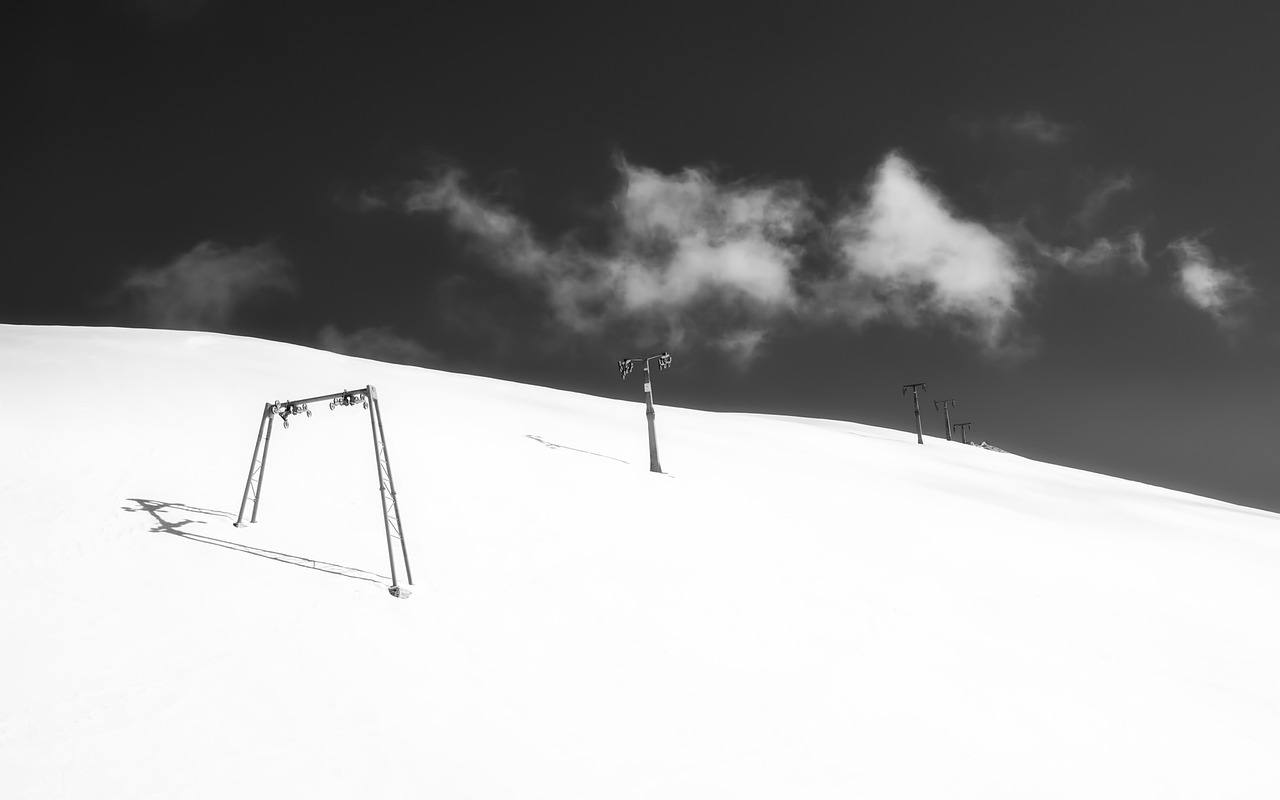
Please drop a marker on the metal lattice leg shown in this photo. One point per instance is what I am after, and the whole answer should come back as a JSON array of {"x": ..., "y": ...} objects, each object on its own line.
[
  {"x": 257, "y": 467},
  {"x": 390, "y": 507}
]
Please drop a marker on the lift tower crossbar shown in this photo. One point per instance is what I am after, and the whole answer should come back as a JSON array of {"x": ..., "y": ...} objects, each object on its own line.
[{"x": 368, "y": 398}]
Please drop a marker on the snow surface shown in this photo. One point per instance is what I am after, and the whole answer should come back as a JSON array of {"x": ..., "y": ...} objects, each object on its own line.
[{"x": 802, "y": 608}]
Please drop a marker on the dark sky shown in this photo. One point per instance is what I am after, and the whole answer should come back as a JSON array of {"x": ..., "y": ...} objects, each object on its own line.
[{"x": 1065, "y": 218}]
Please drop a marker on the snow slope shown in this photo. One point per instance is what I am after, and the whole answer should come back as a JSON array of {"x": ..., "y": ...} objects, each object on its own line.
[{"x": 802, "y": 608}]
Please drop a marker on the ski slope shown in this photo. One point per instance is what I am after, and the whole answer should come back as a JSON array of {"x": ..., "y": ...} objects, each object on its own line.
[{"x": 801, "y": 608}]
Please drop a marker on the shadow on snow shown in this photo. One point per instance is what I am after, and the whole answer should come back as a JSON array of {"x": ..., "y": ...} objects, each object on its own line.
[
  {"x": 158, "y": 510},
  {"x": 556, "y": 446}
]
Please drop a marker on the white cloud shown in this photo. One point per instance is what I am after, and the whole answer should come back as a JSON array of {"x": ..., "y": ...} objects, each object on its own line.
[
  {"x": 379, "y": 344},
  {"x": 690, "y": 255},
  {"x": 686, "y": 235},
  {"x": 1212, "y": 285},
  {"x": 495, "y": 229},
  {"x": 575, "y": 281},
  {"x": 202, "y": 289},
  {"x": 908, "y": 256},
  {"x": 684, "y": 253},
  {"x": 683, "y": 257}
]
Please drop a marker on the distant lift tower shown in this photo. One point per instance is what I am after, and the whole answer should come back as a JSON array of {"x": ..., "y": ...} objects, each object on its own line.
[
  {"x": 368, "y": 398},
  {"x": 945, "y": 406},
  {"x": 915, "y": 399}
]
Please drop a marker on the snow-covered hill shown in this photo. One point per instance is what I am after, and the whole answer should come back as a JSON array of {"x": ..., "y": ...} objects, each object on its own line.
[{"x": 802, "y": 608}]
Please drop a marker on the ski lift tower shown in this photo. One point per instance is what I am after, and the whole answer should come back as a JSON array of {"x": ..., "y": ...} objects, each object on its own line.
[
  {"x": 368, "y": 399},
  {"x": 625, "y": 366},
  {"x": 915, "y": 399}
]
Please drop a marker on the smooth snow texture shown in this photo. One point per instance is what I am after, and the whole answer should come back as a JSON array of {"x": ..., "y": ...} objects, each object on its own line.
[{"x": 802, "y": 608}]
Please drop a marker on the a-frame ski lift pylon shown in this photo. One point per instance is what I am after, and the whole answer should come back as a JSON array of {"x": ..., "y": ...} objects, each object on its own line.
[{"x": 368, "y": 398}]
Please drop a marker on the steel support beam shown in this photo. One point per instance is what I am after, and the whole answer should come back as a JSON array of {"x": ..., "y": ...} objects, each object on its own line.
[
  {"x": 387, "y": 492},
  {"x": 258, "y": 466}
]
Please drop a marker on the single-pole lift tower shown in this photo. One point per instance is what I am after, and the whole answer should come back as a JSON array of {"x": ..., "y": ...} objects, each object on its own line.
[
  {"x": 945, "y": 406},
  {"x": 915, "y": 398},
  {"x": 624, "y": 368},
  {"x": 368, "y": 398}
]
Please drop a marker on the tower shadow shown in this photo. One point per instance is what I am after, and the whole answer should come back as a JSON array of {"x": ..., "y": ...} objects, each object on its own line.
[
  {"x": 159, "y": 511},
  {"x": 557, "y": 446}
]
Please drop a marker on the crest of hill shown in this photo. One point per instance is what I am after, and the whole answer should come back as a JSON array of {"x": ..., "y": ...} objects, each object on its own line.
[{"x": 801, "y": 607}]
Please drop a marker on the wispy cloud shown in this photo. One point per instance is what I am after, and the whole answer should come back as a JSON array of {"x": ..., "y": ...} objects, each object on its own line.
[
  {"x": 379, "y": 344},
  {"x": 1037, "y": 127},
  {"x": 1211, "y": 284},
  {"x": 1105, "y": 256},
  {"x": 1100, "y": 197},
  {"x": 686, "y": 257},
  {"x": 684, "y": 253},
  {"x": 687, "y": 254},
  {"x": 1030, "y": 126},
  {"x": 906, "y": 254},
  {"x": 359, "y": 202},
  {"x": 742, "y": 345},
  {"x": 204, "y": 288}
]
